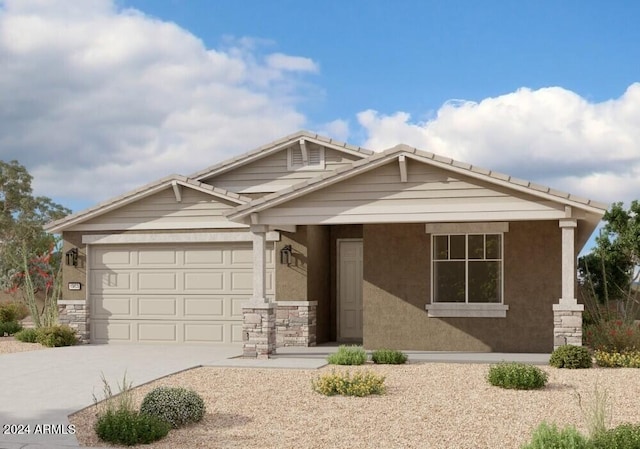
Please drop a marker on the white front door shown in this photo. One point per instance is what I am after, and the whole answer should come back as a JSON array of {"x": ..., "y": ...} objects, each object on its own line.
[{"x": 350, "y": 289}]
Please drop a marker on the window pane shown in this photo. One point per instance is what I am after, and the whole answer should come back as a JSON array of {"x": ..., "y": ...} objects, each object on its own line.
[
  {"x": 441, "y": 247},
  {"x": 449, "y": 281},
  {"x": 484, "y": 282},
  {"x": 457, "y": 249},
  {"x": 476, "y": 246},
  {"x": 494, "y": 246}
]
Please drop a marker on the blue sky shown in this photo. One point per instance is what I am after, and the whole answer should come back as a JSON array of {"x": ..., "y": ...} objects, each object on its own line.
[{"x": 102, "y": 96}]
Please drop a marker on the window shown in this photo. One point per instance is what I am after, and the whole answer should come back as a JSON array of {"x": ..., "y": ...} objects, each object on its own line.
[
  {"x": 467, "y": 268},
  {"x": 315, "y": 158}
]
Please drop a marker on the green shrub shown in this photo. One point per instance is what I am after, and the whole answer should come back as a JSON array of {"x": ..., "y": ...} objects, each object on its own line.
[
  {"x": 517, "y": 376},
  {"x": 177, "y": 406},
  {"x": 27, "y": 335},
  {"x": 624, "y": 436},
  {"x": 388, "y": 356},
  {"x": 12, "y": 311},
  {"x": 56, "y": 336},
  {"x": 9, "y": 328},
  {"x": 570, "y": 356},
  {"x": 361, "y": 383},
  {"x": 614, "y": 359},
  {"x": 550, "y": 437},
  {"x": 130, "y": 427},
  {"x": 348, "y": 355},
  {"x": 613, "y": 336}
]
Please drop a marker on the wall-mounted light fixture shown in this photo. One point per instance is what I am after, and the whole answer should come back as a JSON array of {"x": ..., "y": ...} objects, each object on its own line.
[
  {"x": 71, "y": 257},
  {"x": 285, "y": 255}
]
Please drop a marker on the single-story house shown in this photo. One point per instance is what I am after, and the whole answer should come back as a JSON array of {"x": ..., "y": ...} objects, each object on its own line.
[{"x": 308, "y": 240}]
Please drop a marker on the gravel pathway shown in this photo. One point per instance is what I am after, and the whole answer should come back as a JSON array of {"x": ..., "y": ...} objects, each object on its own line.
[{"x": 10, "y": 344}]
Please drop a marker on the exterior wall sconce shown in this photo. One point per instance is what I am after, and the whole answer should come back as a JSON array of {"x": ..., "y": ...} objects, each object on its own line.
[
  {"x": 71, "y": 257},
  {"x": 285, "y": 255}
]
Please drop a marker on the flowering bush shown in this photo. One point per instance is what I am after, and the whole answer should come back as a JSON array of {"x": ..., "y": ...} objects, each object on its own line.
[
  {"x": 361, "y": 383},
  {"x": 613, "y": 336},
  {"x": 614, "y": 359}
]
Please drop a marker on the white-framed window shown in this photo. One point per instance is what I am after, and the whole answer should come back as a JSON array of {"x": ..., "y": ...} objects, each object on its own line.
[
  {"x": 314, "y": 158},
  {"x": 467, "y": 275}
]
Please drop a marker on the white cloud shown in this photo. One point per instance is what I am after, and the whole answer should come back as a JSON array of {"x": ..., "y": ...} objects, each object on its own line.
[
  {"x": 97, "y": 100},
  {"x": 551, "y": 136}
]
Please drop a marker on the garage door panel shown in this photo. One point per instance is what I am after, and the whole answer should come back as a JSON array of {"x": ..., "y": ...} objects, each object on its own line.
[
  {"x": 205, "y": 307},
  {"x": 104, "y": 280},
  {"x": 111, "y": 306},
  {"x": 158, "y": 332},
  {"x": 157, "y": 257},
  {"x": 203, "y": 256},
  {"x": 205, "y": 333},
  {"x": 157, "y": 281},
  {"x": 150, "y": 307},
  {"x": 236, "y": 333},
  {"x": 104, "y": 257},
  {"x": 103, "y": 331},
  {"x": 204, "y": 281}
]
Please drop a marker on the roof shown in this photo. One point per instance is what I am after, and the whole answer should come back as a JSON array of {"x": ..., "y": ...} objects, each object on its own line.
[
  {"x": 276, "y": 146},
  {"x": 381, "y": 158},
  {"x": 139, "y": 193}
]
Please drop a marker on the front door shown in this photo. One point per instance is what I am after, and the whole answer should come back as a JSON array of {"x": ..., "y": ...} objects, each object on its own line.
[{"x": 350, "y": 289}]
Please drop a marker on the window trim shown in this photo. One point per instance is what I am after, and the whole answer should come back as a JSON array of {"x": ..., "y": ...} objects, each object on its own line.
[
  {"x": 292, "y": 167},
  {"x": 467, "y": 309}
]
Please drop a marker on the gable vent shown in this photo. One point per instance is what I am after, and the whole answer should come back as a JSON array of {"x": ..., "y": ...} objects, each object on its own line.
[{"x": 315, "y": 158}]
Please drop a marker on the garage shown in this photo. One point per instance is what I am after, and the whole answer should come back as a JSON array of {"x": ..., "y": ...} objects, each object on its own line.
[{"x": 171, "y": 293}]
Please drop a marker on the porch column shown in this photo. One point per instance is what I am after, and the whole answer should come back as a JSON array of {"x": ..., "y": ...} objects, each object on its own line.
[
  {"x": 567, "y": 314},
  {"x": 259, "y": 318}
]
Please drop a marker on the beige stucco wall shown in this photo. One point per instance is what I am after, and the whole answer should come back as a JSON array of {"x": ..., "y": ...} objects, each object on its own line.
[
  {"x": 397, "y": 287},
  {"x": 74, "y": 274}
]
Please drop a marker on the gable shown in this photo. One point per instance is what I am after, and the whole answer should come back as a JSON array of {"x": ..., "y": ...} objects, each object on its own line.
[
  {"x": 281, "y": 169},
  {"x": 161, "y": 210},
  {"x": 430, "y": 194}
]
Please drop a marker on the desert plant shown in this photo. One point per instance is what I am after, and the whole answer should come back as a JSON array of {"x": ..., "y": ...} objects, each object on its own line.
[
  {"x": 348, "y": 355},
  {"x": 596, "y": 410},
  {"x": 361, "y": 383},
  {"x": 613, "y": 335},
  {"x": 9, "y": 328},
  {"x": 56, "y": 336},
  {"x": 624, "y": 436},
  {"x": 388, "y": 356},
  {"x": 547, "y": 436},
  {"x": 13, "y": 311},
  {"x": 177, "y": 406},
  {"x": 130, "y": 427},
  {"x": 27, "y": 335},
  {"x": 570, "y": 356},
  {"x": 613, "y": 359},
  {"x": 517, "y": 376}
]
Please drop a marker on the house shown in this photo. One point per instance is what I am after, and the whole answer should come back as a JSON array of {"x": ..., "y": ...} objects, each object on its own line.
[{"x": 308, "y": 240}]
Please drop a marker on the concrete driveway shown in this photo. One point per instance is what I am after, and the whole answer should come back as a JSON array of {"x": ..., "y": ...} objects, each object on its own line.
[{"x": 41, "y": 388}]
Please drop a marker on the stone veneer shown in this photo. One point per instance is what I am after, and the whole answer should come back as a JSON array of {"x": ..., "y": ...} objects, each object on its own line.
[
  {"x": 259, "y": 329},
  {"x": 567, "y": 325},
  {"x": 75, "y": 314},
  {"x": 296, "y": 323}
]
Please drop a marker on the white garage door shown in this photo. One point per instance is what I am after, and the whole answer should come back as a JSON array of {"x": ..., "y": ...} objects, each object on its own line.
[{"x": 171, "y": 293}]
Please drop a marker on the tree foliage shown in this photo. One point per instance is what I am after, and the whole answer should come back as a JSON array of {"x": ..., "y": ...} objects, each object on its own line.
[
  {"x": 609, "y": 272},
  {"x": 29, "y": 259}
]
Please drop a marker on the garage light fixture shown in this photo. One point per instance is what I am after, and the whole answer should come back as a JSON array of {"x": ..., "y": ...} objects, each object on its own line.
[
  {"x": 285, "y": 255},
  {"x": 71, "y": 257}
]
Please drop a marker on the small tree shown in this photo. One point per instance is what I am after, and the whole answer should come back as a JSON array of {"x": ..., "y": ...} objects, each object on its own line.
[
  {"x": 609, "y": 274},
  {"x": 29, "y": 256}
]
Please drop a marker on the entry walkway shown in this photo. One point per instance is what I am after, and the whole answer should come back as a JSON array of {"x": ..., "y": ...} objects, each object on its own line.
[{"x": 43, "y": 387}]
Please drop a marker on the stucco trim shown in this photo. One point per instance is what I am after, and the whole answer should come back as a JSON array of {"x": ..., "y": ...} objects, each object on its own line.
[
  {"x": 450, "y": 310},
  {"x": 285, "y": 303},
  {"x": 467, "y": 228},
  {"x": 196, "y": 237}
]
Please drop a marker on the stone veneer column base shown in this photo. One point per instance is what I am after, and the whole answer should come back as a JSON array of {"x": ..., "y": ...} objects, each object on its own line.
[
  {"x": 567, "y": 324},
  {"x": 259, "y": 329},
  {"x": 75, "y": 314},
  {"x": 296, "y": 323}
]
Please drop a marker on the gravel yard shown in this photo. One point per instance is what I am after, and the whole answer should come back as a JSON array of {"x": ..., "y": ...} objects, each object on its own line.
[{"x": 427, "y": 405}]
